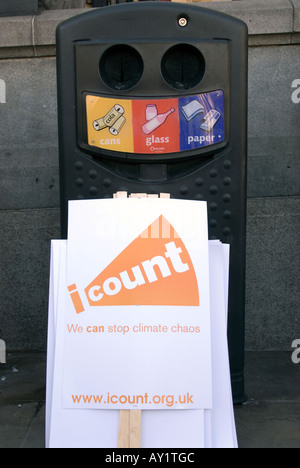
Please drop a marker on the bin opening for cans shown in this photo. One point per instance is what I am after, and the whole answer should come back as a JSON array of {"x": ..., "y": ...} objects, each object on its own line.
[
  {"x": 121, "y": 67},
  {"x": 183, "y": 66}
]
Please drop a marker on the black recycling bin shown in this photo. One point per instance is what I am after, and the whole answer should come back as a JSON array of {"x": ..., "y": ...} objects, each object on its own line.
[{"x": 152, "y": 98}]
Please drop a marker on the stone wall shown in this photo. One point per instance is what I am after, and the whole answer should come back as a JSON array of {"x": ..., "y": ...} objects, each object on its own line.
[{"x": 29, "y": 175}]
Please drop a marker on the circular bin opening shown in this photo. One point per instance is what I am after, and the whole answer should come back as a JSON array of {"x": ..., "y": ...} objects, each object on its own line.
[
  {"x": 183, "y": 66},
  {"x": 121, "y": 67}
]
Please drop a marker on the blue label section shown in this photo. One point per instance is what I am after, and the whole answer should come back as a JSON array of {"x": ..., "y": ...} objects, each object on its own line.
[{"x": 201, "y": 120}]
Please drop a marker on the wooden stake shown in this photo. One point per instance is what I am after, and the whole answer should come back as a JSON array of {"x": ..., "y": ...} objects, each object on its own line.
[
  {"x": 124, "y": 424},
  {"x": 120, "y": 195},
  {"x": 138, "y": 195},
  {"x": 135, "y": 429},
  {"x": 129, "y": 420},
  {"x": 130, "y": 429},
  {"x": 141, "y": 195}
]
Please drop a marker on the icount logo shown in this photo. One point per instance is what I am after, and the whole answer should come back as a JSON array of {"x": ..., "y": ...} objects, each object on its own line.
[{"x": 155, "y": 269}]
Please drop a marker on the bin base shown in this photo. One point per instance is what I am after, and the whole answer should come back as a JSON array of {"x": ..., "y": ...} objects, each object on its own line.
[{"x": 238, "y": 388}]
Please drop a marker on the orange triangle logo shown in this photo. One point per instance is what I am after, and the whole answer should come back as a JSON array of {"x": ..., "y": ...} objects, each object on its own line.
[{"x": 155, "y": 269}]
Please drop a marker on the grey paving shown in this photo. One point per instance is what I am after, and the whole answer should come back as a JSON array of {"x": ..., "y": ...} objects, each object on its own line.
[{"x": 269, "y": 419}]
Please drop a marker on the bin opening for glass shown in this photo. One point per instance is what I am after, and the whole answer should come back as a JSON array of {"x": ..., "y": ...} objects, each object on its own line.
[
  {"x": 183, "y": 66},
  {"x": 121, "y": 67}
]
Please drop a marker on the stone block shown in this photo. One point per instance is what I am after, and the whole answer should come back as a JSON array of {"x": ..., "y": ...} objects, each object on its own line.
[
  {"x": 30, "y": 187},
  {"x": 62, "y": 4},
  {"x": 25, "y": 258},
  {"x": 18, "y": 7},
  {"x": 29, "y": 142},
  {"x": 272, "y": 279},
  {"x": 296, "y": 5},
  {"x": 45, "y": 24},
  {"x": 273, "y": 135},
  {"x": 15, "y": 31},
  {"x": 267, "y": 17}
]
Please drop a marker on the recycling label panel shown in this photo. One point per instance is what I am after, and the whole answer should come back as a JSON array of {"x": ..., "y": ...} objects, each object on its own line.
[{"x": 156, "y": 126}]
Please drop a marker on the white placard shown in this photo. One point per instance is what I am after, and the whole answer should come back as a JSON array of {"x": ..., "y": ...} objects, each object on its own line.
[
  {"x": 70, "y": 428},
  {"x": 137, "y": 318},
  {"x": 90, "y": 428}
]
